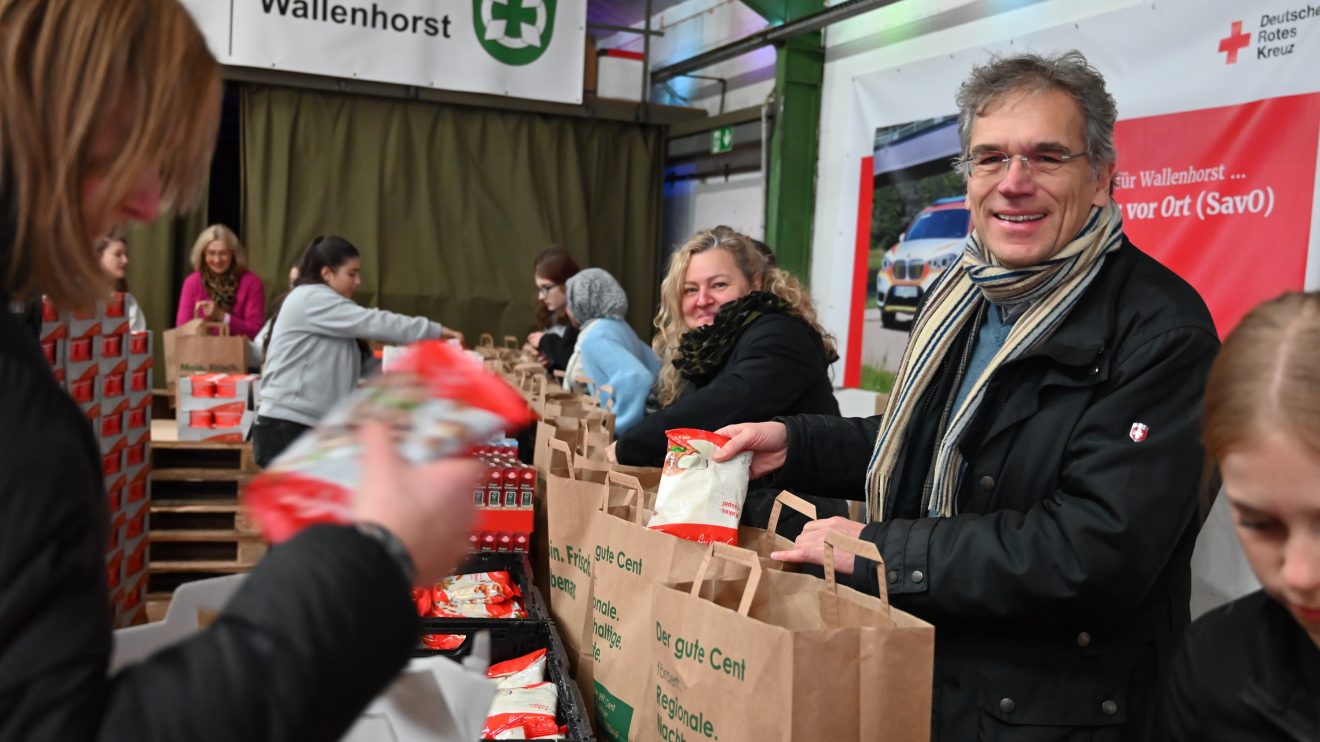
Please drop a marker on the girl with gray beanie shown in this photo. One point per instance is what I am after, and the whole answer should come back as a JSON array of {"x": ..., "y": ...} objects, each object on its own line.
[{"x": 607, "y": 350}]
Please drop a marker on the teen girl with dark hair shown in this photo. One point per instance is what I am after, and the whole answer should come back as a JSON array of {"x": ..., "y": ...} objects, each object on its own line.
[
  {"x": 555, "y": 335},
  {"x": 312, "y": 356}
]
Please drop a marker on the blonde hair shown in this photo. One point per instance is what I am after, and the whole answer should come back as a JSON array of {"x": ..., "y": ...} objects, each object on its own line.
[
  {"x": 1267, "y": 377},
  {"x": 66, "y": 65},
  {"x": 754, "y": 263},
  {"x": 226, "y": 235}
]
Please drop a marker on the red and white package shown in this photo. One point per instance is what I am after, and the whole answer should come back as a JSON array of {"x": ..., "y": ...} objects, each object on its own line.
[
  {"x": 520, "y": 672},
  {"x": 478, "y": 587},
  {"x": 507, "y": 609},
  {"x": 437, "y": 402},
  {"x": 699, "y": 499},
  {"x": 443, "y": 642},
  {"x": 530, "y": 710}
]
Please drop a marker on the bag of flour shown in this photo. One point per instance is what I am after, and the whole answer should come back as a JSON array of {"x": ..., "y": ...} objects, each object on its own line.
[{"x": 700, "y": 500}]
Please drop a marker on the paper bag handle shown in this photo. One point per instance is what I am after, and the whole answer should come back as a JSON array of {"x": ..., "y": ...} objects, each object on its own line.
[
  {"x": 205, "y": 326},
  {"x": 608, "y": 391},
  {"x": 511, "y": 342},
  {"x": 857, "y": 547},
  {"x": 562, "y": 447},
  {"x": 487, "y": 340},
  {"x": 631, "y": 483},
  {"x": 733, "y": 554},
  {"x": 793, "y": 501}
]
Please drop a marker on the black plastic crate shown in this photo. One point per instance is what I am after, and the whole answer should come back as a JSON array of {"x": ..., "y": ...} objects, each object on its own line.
[
  {"x": 513, "y": 639},
  {"x": 516, "y": 564}
]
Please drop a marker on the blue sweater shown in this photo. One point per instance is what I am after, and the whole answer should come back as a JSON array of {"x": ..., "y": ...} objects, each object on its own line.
[{"x": 612, "y": 354}]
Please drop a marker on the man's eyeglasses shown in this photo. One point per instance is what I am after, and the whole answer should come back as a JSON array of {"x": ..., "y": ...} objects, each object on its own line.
[
  {"x": 545, "y": 290},
  {"x": 991, "y": 163}
]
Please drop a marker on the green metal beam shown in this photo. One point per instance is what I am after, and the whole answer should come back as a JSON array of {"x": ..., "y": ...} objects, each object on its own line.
[{"x": 791, "y": 194}]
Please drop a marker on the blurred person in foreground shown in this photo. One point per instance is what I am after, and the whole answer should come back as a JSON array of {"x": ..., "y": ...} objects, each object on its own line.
[
  {"x": 108, "y": 112},
  {"x": 1250, "y": 670},
  {"x": 1032, "y": 485}
]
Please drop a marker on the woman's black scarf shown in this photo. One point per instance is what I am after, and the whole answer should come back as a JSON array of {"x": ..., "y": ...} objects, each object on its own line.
[{"x": 703, "y": 351}]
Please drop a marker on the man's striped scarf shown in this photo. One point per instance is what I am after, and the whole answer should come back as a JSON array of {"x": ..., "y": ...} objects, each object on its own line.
[{"x": 1051, "y": 289}]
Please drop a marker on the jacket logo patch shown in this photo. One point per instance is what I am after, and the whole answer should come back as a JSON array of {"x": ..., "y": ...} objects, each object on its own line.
[{"x": 1138, "y": 432}]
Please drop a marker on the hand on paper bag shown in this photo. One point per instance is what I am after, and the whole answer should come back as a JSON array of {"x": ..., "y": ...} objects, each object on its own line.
[
  {"x": 207, "y": 310},
  {"x": 449, "y": 334},
  {"x": 810, "y": 546},
  {"x": 768, "y": 443},
  {"x": 427, "y": 507}
]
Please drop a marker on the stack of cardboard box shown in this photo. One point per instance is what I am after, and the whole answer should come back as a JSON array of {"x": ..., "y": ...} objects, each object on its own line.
[
  {"x": 108, "y": 372},
  {"x": 218, "y": 407}
]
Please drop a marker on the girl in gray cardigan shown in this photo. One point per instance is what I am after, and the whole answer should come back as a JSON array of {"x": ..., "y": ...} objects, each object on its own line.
[{"x": 312, "y": 354}]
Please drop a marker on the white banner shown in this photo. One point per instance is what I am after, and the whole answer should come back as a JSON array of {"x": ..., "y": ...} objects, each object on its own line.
[{"x": 521, "y": 48}]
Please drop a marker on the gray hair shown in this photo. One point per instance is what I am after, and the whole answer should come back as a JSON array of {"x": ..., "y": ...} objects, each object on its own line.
[{"x": 1068, "y": 72}]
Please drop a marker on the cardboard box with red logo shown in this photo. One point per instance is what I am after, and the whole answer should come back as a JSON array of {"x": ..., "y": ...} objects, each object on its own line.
[
  {"x": 217, "y": 407},
  {"x": 138, "y": 488},
  {"x": 141, "y": 366},
  {"x": 131, "y": 606},
  {"x": 135, "y": 555},
  {"x": 116, "y": 490},
  {"x": 137, "y": 451},
  {"x": 114, "y": 568},
  {"x": 82, "y": 350},
  {"x": 54, "y": 339},
  {"x": 136, "y": 515},
  {"x": 114, "y": 315},
  {"x": 116, "y": 538}
]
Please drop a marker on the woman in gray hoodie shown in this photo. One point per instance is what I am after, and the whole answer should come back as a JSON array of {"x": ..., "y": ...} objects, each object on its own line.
[{"x": 312, "y": 354}]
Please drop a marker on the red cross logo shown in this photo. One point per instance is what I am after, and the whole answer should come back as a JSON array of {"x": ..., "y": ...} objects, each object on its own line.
[
  {"x": 1234, "y": 42},
  {"x": 1138, "y": 432}
]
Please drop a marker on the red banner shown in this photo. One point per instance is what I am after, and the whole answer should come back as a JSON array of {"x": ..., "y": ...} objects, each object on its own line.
[{"x": 1224, "y": 197}]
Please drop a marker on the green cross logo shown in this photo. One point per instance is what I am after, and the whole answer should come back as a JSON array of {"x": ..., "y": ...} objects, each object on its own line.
[{"x": 515, "y": 32}]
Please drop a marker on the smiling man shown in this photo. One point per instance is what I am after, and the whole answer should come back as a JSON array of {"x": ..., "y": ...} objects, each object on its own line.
[{"x": 1033, "y": 484}]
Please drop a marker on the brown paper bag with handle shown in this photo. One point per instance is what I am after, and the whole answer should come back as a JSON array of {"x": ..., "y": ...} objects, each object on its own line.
[
  {"x": 200, "y": 347},
  {"x": 783, "y": 656},
  {"x": 767, "y": 541},
  {"x": 629, "y": 558},
  {"x": 568, "y": 547},
  {"x": 566, "y": 429}
]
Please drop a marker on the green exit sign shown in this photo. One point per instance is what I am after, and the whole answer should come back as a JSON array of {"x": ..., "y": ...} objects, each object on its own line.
[{"x": 721, "y": 140}]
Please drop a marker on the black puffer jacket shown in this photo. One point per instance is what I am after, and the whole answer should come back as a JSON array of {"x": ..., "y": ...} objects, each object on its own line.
[
  {"x": 317, "y": 630},
  {"x": 777, "y": 367},
  {"x": 1060, "y": 589},
  {"x": 1247, "y": 672}
]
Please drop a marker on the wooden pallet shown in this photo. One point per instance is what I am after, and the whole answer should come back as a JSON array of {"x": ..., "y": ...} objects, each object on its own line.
[{"x": 198, "y": 526}]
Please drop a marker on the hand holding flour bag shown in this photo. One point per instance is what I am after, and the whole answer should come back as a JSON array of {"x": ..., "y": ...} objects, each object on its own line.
[
  {"x": 436, "y": 402},
  {"x": 700, "y": 499}
]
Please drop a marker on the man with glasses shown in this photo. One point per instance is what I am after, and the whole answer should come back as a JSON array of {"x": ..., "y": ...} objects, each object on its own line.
[{"x": 1032, "y": 486}]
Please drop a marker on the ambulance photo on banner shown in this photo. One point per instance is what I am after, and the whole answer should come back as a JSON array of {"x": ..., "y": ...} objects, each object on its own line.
[{"x": 1219, "y": 119}]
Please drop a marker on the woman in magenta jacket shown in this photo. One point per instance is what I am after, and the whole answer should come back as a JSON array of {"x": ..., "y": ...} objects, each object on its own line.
[{"x": 221, "y": 288}]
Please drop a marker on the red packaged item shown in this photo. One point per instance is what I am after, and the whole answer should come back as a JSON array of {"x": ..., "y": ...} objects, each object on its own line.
[
  {"x": 443, "y": 642},
  {"x": 507, "y": 609},
  {"x": 438, "y": 404},
  {"x": 478, "y": 587},
  {"x": 520, "y": 672},
  {"x": 700, "y": 499},
  {"x": 422, "y": 597},
  {"x": 531, "y": 709}
]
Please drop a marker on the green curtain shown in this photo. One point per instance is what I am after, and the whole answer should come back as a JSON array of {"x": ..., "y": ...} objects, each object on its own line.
[
  {"x": 157, "y": 264},
  {"x": 449, "y": 204}
]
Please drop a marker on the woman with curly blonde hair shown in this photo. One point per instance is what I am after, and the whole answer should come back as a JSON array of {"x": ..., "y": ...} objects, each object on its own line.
[{"x": 737, "y": 339}]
